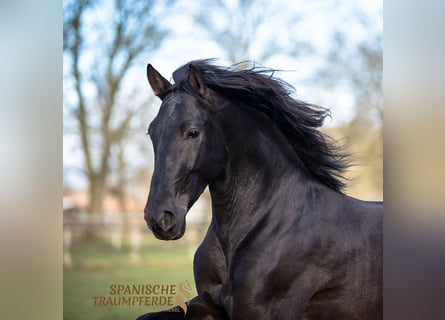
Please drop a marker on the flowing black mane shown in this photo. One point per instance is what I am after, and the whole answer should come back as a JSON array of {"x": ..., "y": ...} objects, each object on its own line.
[{"x": 298, "y": 120}]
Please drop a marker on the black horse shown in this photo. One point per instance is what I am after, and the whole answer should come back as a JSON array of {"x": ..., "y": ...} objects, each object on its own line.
[{"x": 284, "y": 241}]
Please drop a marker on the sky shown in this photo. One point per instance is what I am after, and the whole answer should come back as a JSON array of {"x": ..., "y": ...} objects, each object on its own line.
[
  {"x": 188, "y": 42},
  {"x": 319, "y": 21}
]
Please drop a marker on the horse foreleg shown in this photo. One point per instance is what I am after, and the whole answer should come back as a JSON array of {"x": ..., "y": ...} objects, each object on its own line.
[
  {"x": 196, "y": 310},
  {"x": 175, "y": 313}
]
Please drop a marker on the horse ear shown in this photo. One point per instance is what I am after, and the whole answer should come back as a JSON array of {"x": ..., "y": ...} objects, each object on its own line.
[
  {"x": 158, "y": 83},
  {"x": 196, "y": 80}
]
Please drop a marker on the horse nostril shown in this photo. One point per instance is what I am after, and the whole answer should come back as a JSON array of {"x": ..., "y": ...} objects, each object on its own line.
[{"x": 167, "y": 221}]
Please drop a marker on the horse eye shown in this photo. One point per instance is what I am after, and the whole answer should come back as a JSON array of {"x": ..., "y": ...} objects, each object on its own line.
[{"x": 193, "y": 134}]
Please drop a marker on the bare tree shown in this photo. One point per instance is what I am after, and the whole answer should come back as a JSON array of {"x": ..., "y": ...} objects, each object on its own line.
[
  {"x": 351, "y": 64},
  {"x": 235, "y": 26},
  {"x": 357, "y": 66},
  {"x": 102, "y": 43}
]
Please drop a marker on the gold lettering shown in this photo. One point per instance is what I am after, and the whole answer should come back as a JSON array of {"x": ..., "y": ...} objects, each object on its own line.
[
  {"x": 147, "y": 289},
  {"x": 113, "y": 289},
  {"x": 156, "y": 288},
  {"x": 120, "y": 288}
]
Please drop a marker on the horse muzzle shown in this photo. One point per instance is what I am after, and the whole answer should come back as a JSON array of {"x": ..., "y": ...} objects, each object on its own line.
[{"x": 165, "y": 225}]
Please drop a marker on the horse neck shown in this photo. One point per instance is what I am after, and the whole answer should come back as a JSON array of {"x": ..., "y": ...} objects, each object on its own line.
[{"x": 261, "y": 171}]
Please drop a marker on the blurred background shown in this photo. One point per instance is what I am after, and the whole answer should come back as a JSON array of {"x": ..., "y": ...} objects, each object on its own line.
[{"x": 330, "y": 51}]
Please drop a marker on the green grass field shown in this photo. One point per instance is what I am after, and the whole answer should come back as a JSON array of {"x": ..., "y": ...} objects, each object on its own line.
[{"x": 96, "y": 266}]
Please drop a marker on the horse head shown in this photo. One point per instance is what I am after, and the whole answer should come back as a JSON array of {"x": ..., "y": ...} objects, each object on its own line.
[{"x": 189, "y": 152}]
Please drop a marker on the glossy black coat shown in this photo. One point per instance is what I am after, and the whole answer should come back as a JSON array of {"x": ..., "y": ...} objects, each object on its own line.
[{"x": 284, "y": 241}]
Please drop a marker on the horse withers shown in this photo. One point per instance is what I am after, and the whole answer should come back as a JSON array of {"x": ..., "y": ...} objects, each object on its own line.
[{"x": 284, "y": 241}]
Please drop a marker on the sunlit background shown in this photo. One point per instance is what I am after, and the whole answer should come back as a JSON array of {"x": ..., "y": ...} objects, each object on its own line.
[{"x": 329, "y": 51}]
